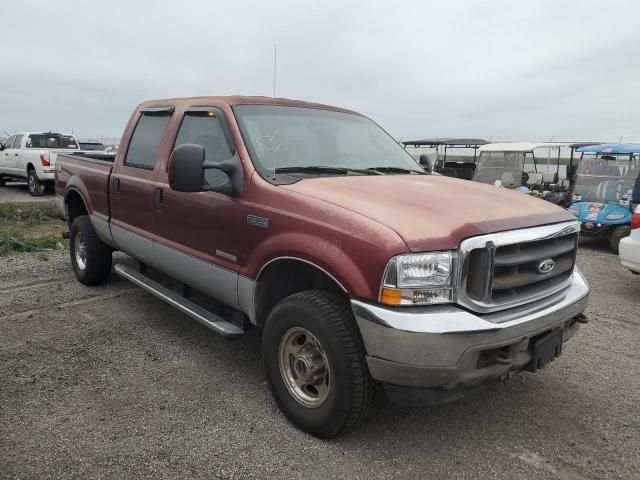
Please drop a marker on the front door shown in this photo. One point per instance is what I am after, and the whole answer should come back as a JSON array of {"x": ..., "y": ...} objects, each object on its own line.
[
  {"x": 6, "y": 157},
  {"x": 132, "y": 186},
  {"x": 197, "y": 234}
]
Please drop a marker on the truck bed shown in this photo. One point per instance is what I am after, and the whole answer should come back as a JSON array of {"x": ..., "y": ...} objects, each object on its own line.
[
  {"x": 103, "y": 157},
  {"x": 91, "y": 173}
]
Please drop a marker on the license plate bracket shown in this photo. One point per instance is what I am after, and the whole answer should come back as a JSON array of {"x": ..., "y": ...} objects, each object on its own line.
[{"x": 546, "y": 349}]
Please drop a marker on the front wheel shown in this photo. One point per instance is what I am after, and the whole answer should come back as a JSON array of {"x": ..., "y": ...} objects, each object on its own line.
[
  {"x": 36, "y": 188},
  {"x": 315, "y": 363},
  {"x": 616, "y": 237},
  {"x": 90, "y": 257}
]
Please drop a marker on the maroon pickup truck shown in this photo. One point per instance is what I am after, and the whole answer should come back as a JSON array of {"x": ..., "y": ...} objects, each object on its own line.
[{"x": 312, "y": 223}]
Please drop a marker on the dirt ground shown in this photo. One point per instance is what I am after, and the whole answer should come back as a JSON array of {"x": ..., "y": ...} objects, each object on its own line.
[
  {"x": 109, "y": 382},
  {"x": 18, "y": 192}
]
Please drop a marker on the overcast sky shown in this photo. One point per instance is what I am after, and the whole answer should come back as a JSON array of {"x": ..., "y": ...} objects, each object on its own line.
[{"x": 458, "y": 68}]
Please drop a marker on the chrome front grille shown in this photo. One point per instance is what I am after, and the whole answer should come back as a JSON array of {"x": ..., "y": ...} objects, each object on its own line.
[{"x": 506, "y": 269}]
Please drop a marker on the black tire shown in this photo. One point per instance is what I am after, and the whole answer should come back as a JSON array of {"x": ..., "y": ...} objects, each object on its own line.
[
  {"x": 36, "y": 188},
  {"x": 351, "y": 389},
  {"x": 96, "y": 267},
  {"x": 616, "y": 236},
  {"x": 3, "y": 182}
]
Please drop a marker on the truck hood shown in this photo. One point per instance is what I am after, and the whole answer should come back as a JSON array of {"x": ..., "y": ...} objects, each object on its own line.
[{"x": 431, "y": 212}]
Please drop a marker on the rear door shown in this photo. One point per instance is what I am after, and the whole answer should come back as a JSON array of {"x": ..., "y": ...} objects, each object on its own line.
[
  {"x": 16, "y": 156},
  {"x": 132, "y": 185},
  {"x": 197, "y": 233}
]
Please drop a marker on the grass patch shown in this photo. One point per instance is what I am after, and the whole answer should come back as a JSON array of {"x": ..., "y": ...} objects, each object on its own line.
[{"x": 29, "y": 227}]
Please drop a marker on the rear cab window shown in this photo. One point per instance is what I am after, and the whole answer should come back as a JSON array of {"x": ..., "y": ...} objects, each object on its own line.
[
  {"x": 206, "y": 126},
  {"x": 147, "y": 138},
  {"x": 51, "y": 141}
]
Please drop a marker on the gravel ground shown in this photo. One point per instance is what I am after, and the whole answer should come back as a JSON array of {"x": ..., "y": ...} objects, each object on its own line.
[
  {"x": 110, "y": 382},
  {"x": 18, "y": 192}
]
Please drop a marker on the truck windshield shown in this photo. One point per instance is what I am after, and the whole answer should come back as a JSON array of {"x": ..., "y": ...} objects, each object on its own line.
[
  {"x": 51, "y": 140},
  {"x": 607, "y": 179},
  {"x": 507, "y": 167},
  {"x": 290, "y": 137}
]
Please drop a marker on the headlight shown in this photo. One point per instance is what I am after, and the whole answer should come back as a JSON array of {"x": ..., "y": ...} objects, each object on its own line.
[
  {"x": 418, "y": 279},
  {"x": 574, "y": 212},
  {"x": 615, "y": 216}
]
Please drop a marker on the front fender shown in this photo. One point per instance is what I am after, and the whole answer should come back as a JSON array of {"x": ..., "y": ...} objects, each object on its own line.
[{"x": 327, "y": 255}]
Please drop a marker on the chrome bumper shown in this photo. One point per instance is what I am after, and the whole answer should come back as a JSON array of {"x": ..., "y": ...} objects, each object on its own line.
[
  {"x": 440, "y": 346},
  {"x": 46, "y": 174}
]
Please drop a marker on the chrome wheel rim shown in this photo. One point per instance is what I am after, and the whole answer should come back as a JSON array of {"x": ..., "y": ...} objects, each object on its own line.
[
  {"x": 80, "y": 251},
  {"x": 304, "y": 367},
  {"x": 32, "y": 183}
]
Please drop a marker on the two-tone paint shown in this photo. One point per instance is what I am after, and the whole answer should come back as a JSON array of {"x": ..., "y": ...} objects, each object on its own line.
[{"x": 348, "y": 227}]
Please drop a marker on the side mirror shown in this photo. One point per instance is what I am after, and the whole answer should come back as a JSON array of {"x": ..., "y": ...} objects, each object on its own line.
[
  {"x": 427, "y": 162},
  {"x": 186, "y": 171}
]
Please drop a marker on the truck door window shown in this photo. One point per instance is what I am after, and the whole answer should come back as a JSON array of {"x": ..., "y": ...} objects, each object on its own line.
[
  {"x": 8, "y": 143},
  {"x": 17, "y": 141},
  {"x": 205, "y": 128},
  {"x": 145, "y": 142}
]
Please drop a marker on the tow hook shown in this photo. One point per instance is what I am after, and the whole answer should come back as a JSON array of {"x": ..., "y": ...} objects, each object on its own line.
[
  {"x": 582, "y": 318},
  {"x": 501, "y": 357}
]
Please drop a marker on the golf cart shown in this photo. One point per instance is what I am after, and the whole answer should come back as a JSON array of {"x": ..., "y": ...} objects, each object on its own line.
[
  {"x": 603, "y": 190},
  {"x": 461, "y": 166},
  {"x": 533, "y": 168}
]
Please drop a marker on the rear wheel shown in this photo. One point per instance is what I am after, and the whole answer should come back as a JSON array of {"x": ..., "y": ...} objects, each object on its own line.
[
  {"x": 616, "y": 236},
  {"x": 3, "y": 182},
  {"x": 36, "y": 188},
  {"x": 315, "y": 363},
  {"x": 90, "y": 257}
]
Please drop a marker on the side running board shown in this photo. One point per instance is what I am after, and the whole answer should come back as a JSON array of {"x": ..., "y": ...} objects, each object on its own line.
[{"x": 205, "y": 317}]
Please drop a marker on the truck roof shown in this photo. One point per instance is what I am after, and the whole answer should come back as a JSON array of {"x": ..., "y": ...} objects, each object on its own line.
[
  {"x": 43, "y": 133},
  {"x": 234, "y": 100}
]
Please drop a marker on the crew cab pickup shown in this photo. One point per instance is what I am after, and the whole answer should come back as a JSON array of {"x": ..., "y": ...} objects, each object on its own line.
[
  {"x": 313, "y": 224},
  {"x": 32, "y": 156}
]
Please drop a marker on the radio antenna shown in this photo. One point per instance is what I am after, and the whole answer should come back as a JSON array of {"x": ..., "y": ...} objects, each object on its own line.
[{"x": 275, "y": 63}]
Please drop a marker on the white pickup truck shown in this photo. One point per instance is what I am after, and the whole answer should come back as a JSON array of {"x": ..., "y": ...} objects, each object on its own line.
[{"x": 32, "y": 156}]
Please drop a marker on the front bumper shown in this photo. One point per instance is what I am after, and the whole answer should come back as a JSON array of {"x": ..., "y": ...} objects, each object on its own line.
[
  {"x": 450, "y": 348},
  {"x": 630, "y": 252}
]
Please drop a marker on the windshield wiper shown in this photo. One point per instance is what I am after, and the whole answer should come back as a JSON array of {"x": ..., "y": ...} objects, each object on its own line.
[
  {"x": 395, "y": 170},
  {"x": 311, "y": 169}
]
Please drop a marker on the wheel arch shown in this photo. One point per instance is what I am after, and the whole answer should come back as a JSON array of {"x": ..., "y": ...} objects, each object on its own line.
[
  {"x": 286, "y": 275},
  {"x": 74, "y": 204}
]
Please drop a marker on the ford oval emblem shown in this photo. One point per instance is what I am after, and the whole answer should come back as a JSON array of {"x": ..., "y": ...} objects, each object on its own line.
[{"x": 546, "y": 266}]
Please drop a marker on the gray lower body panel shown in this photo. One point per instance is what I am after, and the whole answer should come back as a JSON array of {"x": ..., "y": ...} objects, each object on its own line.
[
  {"x": 210, "y": 279},
  {"x": 101, "y": 226},
  {"x": 215, "y": 281}
]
